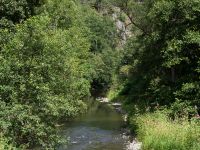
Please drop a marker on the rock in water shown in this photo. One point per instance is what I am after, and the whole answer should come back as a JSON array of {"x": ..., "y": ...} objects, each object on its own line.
[{"x": 134, "y": 145}]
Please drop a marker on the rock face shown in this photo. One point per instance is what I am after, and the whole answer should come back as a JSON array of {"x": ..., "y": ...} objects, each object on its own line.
[{"x": 122, "y": 27}]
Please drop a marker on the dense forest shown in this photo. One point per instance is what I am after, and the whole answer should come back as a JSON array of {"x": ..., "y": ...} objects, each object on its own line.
[
  {"x": 159, "y": 78},
  {"x": 56, "y": 54}
]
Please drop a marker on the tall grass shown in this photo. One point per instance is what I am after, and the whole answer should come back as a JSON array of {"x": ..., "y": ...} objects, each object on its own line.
[{"x": 157, "y": 132}]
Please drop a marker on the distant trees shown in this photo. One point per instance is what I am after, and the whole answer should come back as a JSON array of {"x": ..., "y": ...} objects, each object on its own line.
[
  {"x": 163, "y": 52},
  {"x": 15, "y": 11},
  {"x": 104, "y": 40}
]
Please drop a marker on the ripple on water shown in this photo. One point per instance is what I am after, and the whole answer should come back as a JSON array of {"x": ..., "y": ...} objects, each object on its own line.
[
  {"x": 94, "y": 131},
  {"x": 92, "y": 138}
]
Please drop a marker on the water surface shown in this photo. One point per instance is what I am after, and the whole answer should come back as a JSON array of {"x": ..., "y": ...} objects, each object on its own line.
[{"x": 99, "y": 129}]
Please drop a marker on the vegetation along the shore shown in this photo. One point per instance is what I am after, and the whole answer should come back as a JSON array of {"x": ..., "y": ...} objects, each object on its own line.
[{"x": 160, "y": 72}]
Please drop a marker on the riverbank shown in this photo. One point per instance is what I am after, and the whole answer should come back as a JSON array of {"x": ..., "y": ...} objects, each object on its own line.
[{"x": 157, "y": 132}]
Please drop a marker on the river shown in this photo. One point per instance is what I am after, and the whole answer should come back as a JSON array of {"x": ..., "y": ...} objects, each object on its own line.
[{"x": 101, "y": 128}]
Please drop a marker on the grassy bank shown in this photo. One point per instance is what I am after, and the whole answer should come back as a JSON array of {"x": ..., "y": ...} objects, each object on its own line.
[{"x": 157, "y": 132}]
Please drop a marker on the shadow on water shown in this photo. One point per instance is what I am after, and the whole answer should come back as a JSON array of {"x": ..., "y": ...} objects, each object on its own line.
[{"x": 99, "y": 129}]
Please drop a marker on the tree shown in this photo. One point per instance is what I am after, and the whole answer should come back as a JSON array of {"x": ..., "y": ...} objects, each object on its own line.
[
  {"x": 15, "y": 11},
  {"x": 45, "y": 76},
  {"x": 165, "y": 55}
]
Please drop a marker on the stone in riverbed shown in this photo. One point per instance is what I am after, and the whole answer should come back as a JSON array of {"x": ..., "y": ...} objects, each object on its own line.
[
  {"x": 134, "y": 145},
  {"x": 116, "y": 104},
  {"x": 103, "y": 100}
]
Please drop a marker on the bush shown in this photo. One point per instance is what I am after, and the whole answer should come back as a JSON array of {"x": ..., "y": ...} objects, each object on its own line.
[{"x": 4, "y": 144}]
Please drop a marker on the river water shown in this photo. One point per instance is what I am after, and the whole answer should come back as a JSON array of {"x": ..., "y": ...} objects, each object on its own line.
[{"x": 99, "y": 129}]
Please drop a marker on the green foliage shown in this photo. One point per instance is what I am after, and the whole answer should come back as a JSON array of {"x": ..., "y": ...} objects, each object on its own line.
[
  {"x": 180, "y": 109},
  {"x": 48, "y": 63},
  {"x": 15, "y": 11},
  {"x": 103, "y": 38},
  {"x": 164, "y": 55},
  {"x": 43, "y": 78},
  {"x": 51, "y": 62},
  {"x": 160, "y": 67},
  {"x": 157, "y": 132},
  {"x": 5, "y": 146}
]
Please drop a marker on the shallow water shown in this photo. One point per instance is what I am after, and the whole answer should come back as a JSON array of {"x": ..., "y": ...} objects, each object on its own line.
[{"x": 99, "y": 129}]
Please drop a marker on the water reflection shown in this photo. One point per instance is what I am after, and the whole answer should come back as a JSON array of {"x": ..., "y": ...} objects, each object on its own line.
[{"x": 99, "y": 129}]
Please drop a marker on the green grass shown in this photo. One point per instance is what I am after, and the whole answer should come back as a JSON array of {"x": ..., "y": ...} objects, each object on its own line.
[{"x": 156, "y": 132}]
